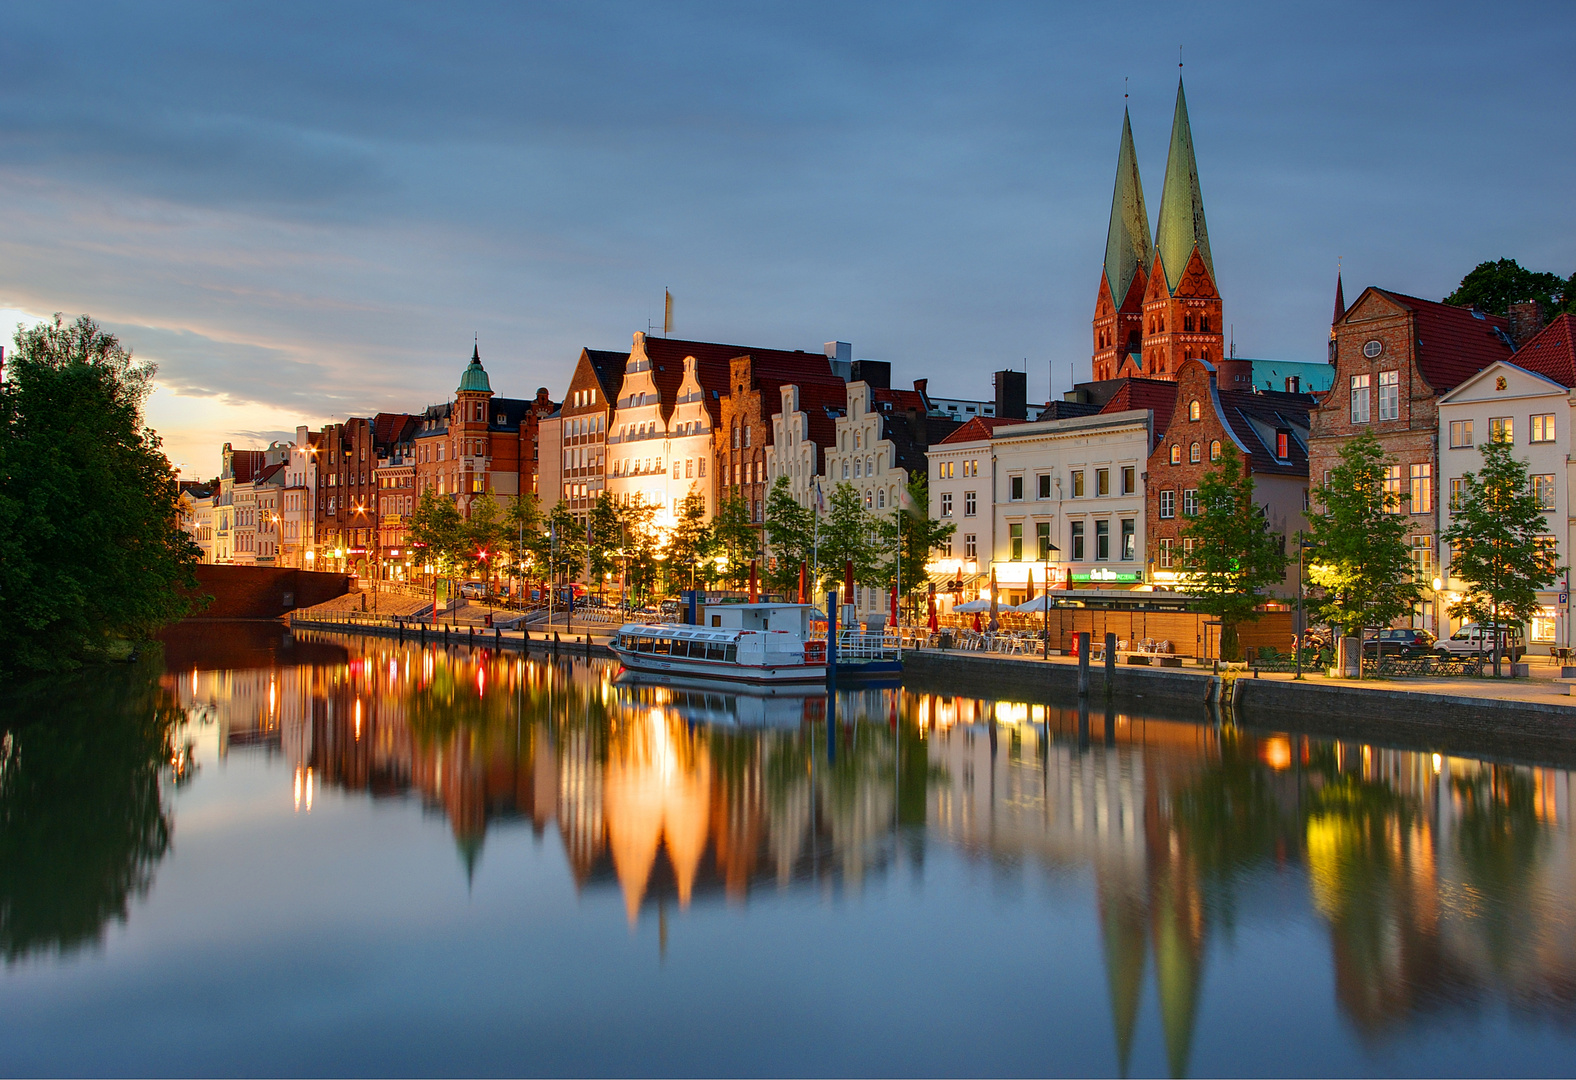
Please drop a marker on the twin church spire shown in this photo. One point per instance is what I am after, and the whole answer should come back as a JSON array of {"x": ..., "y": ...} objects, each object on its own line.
[{"x": 1158, "y": 306}]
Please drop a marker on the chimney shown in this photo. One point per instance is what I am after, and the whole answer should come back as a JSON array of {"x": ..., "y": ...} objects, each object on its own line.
[
  {"x": 1526, "y": 319},
  {"x": 1012, "y": 395},
  {"x": 840, "y": 355},
  {"x": 878, "y": 373},
  {"x": 1234, "y": 374},
  {"x": 1293, "y": 384}
]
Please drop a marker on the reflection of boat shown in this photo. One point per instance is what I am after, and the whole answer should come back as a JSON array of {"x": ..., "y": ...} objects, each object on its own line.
[
  {"x": 702, "y": 701},
  {"x": 754, "y": 643}
]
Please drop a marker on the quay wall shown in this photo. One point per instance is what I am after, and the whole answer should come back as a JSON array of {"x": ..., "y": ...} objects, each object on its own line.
[{"x": 263, "y": 592}]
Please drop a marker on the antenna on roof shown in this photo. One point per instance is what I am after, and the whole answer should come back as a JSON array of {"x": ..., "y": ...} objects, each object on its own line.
[
  {"x": 1179, "y": 58},
  {"x": 1233, "y": 341}
]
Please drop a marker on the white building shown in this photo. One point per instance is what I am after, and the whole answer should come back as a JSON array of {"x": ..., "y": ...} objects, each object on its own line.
[
  {"x": 961, "y": 481},
  {"x": 660, "y": 440},
  {"x": 298, "y": 503},
  {"x": 802, "y": 431},
  {"x": 1533, "y": 412}
]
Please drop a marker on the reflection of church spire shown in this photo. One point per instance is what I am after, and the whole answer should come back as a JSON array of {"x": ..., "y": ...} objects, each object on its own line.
[
  {"x": 1122, "y": 932},
  {"x": 470, "y": 846},
  {"x": 1178, "y": 965}
]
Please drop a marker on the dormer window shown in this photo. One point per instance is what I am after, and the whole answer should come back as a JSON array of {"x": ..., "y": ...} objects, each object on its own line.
[
  {"x": 1193, "y": 410},
  {"x": 1283, "y": 444}
]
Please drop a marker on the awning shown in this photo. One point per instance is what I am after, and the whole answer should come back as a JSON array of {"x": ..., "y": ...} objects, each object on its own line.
[{"x": 947, "y": 582}]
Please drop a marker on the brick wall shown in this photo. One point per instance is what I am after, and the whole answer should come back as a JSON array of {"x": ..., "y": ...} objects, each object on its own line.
[{"x": 264, "y": 592}]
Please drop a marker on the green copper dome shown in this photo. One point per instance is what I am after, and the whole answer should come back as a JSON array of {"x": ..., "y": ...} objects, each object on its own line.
[{"x": 475, "y": 378}]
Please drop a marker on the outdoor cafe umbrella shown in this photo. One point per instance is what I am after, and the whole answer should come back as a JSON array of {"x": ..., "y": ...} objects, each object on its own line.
[
  {"x": 931, "y": 599},
  {"x": 1031, "y": 607},
  {"x": 994, "y": 623},
  {"x": 976, "y": 622},
  {"x": 972, "y": 607}
]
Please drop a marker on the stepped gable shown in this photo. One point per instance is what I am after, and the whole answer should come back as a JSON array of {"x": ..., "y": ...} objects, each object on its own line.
[
  {"x": 1253, "y": 418},
  {"x": 980, "y": 427},
  {"x": 1157, "y": 395},
  {"x": 1552, "y": 351},
  {"x": 1454, "y": 343},
  {"x": 822, "y": 401},
  {"x": 1181, "y": 228}
]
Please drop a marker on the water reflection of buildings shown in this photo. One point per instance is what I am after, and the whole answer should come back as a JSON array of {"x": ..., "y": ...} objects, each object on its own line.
[{"x": 1444, "y": 882}]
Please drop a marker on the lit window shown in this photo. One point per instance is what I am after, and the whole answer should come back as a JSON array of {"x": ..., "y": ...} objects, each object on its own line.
[
  {"x": 1542, "y": 427},
  {"x": 1501, "y": 429},
  {"x": 1078, "y": 483},
  {"x": 1015, "y": 541},
  {"x": 1176, "y": 454},
  {"x": 1194, "y": 453},
  {"x": 1422, "y": 488},
  {"x": 1389, "y": 395},
  {"x": 1543, "y": 488},
  {"x": 1214, "y": 450},
  {"x": 1392, "y": 488},
  {"x": 1193, "y": 410}
]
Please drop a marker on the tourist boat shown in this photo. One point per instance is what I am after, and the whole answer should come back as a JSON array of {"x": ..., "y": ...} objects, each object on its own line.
[{"x": 753, "y": 643}]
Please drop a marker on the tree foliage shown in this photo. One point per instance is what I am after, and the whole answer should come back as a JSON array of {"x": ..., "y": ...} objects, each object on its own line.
[
  {"x": 911, "y": 531},
  {"x": 790, "y": 529},
  {"x": 605, "y": 538},
  {"x": 566, "y": 544},
  {"x": 91, "y": 544},
  {"x": 687, "y": 552},
  {"x": 1494, "y": 286},
  {"x": 736, "y": 540},
  {"x": 1359, "y": 556},
  {"x": 1497, "y": 542},
  {"x": 436, "y": 529},
  {"x": 849, "y": 534},
  {"x": 1236, "y": 555}
]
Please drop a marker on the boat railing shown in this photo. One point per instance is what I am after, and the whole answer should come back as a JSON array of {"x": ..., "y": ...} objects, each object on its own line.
[{"x": 866, "y": 645}]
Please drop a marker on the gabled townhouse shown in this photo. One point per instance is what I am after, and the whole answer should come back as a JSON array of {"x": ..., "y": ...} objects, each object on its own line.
[
  {"x": 1528, "y": 403},
  {"x": 962, "y": 479},
  {"x": 581, "y": 442},
  {"x": 804, "y": 426},
  {"x": 234, "y": 506},
  {"x": 1268, "y": 429},
  {"x": 1395, "y": 356},
  {"x": 751, "y": 414}
]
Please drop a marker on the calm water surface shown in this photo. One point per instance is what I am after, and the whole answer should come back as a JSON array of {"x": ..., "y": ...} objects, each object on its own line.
[{"x": 278, "y": 855}]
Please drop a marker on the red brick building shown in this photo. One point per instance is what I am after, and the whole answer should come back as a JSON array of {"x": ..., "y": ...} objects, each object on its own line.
[
  {"x": 1394, "y": 357},
  {"x": 1268, "y": 429},
  {"x": 587, "y": 414},
  {"x": 745, "y": 430}
]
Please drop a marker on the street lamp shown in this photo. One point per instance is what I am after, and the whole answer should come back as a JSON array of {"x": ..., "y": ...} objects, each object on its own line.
[{"x": 1302, "y": 629}]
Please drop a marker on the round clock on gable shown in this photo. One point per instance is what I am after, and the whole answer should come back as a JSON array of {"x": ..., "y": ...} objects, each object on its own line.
[{"x": 1372, "y": 348}]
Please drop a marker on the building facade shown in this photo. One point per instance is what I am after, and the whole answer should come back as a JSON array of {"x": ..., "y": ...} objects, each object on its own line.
[
  {"x": 962, "y": 480},
  {"x": 587, "y": 415}
]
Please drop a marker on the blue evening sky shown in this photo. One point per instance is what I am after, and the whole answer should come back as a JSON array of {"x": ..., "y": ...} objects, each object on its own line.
[{"x": 305, "y": 211}]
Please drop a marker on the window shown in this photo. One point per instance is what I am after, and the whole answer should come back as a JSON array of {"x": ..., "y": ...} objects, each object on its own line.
[
  {"x": 1456, "y": 488},
  {"x": 1283, "y": 445},
  {"x": 968, "y": 504},
  {"x": 1129, "y": 480},
  {"x": 1176, "y": 454},
  {"x": 858, "y": 466},
  {"x": 1542, "y": 427},
  {"x": 1078, "y": 483},
  {"x": 945, "y": 548},
  {"x": 746, "y": 436},
  {"x": 1015, "y": 488},
  {"x": 1359, "y": 399},
  {"x": 1389, "y": 395},
  {"x": 700, "y": 467},
  {"x": 1190, "y": 502},
  {"x": 1501, "y": 429},
  {"x": 1077, "y": 541},
  {"x": 1422, "y": 558},
  {"x": 881, "y": 499},
  {"x": 970, "y": 546},
  {"x": 676, "y": 469},
  {"x": 1129, "y": 540},
  {"x": 1543, "y": 625},
  {"x": 1102, "y": 540},
  {"x": 689, "y": 468},
  {"x": 1187, "y": 551},
  {"x": 1165, "y": 552},
  {"x": 1102, "y": 481},
  {"x": 946, "y": 504},
  {"x": 1423, "y": 488},
  {"x": 1015, "y": 541},
  {"x": 1214, "y": 449},
  {"x": 1548, "y": 549},
  {"x": 1392, "y": 488},
  {"x": 1193, "y": 411},
  {"x": 1168, "y": 504},
  {"x": 1194, "y": 454},
  {"x": 1543, "y": 488},
  {"x": 1042, "y": 541},
  {"x": 1045, "y": 485}
]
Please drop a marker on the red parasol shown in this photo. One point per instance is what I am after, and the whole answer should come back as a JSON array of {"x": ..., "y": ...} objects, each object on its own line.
[
  {"x": 976, "y": 622},
  {"x": 934, "y": 625}
]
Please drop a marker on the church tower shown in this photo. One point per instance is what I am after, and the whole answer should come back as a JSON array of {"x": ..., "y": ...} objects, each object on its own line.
[
  {"x": 1181, "y": 308},
  {"x": 1119, "y": 309}
]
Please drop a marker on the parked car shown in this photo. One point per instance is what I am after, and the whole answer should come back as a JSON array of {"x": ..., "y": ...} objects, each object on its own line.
[
  {"x": 1405, "y": 643},
  {"x": 474, "y": 590},
  {"x": 1472, "y": 639}
]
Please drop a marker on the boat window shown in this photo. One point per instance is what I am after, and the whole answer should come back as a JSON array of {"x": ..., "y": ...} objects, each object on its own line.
[
  {"x": 644, "y": 645},
  {"x": 732, "y": 654},
  {"x": 715, "y": 651},
  {"x": 663, "y": 646},
  {"x": 681, "y": 648}
]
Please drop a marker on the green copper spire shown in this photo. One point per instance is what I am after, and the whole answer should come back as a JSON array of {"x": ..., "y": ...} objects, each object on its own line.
[
  {"x": 1181, "y": 225},
  {"x": 475, "y": 376},
  {"x": 1127, "y": 240}
]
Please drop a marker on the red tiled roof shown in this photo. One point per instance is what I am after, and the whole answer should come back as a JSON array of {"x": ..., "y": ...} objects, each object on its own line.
[
  {"x": 390, "y": 428},
  {"x": 979, "y": 427},
  {"x": 244, "y": 464},
  {"x": 268, "y": 473},
  {"x": 711, "y": 367},
  {"x": 1552, "y": 351},
  {"x": 1159, "y": 395},
  {"x": 1453, "y": 344}
]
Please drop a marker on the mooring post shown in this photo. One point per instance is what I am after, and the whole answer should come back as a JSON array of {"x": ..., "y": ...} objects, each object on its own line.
[
  {"x": 1083, "y": 663},
  {"x": 1110, "y": 662},
  {"x": 831, "y": 644},
  {"x": 555, "y": 642}
]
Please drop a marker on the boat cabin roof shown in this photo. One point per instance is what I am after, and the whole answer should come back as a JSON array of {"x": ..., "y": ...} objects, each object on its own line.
[{"x": 791, "y": 617}]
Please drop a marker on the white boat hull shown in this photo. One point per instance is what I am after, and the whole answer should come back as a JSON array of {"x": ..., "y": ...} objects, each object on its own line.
[{"x": 658, "y": 663}]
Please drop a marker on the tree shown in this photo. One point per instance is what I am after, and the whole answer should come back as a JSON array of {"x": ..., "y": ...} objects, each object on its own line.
[
  {"x": 565, "y": 555},
  {"x": 604, "y": 538},
  {"x": 736, "y": 540},
  {"x": 1494, "y": 286},
  {"x": 790, "y": 529},
  {"x": 481, "y": 536},
  {"x": 920, "y": 535},
  {"x": 687, "y": 553},
  {"x": 521, "y": 536},
  {"x": 1235, "y": 552},
  {"x": 438, "y": 532},
  {"x": 848, "y": 534},
  {"x": 1499, "y": 543},
  {"x": 1359, "y": 555},
  {"x": 643, "y": 554},
  {"x": 91, "y": 545}
]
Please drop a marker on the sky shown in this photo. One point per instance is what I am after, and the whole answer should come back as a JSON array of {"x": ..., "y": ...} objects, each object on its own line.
[{"x": 306, "y": 212}]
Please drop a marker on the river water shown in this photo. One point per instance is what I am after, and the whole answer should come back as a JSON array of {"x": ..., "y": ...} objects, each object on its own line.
[{"x": 314, "y": 854}]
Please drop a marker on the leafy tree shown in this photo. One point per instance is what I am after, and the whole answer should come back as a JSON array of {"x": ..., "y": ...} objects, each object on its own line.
[
  {"x": 91, "y": 545},
  {"x": 438, "y": 531},
  {"x": 1494, "y": 286},
  {"x": 1236, "y": 555},
  {"x": 1359, "y": 555},
  {"x": 643, "y": 552},
  {"x": 521, "y": 536},
  {"x": 1497, "y": 545},
  {"x": 605, "y": 538},
  {"x": 736, "y": 540},
  {"x": 687, "y": 553},
  {"x": 848, "y": 534},
  {"x": 481, "y": 537},
  {"x": 565, "y": 555},
  {"x": 921, "y": 535},
  {"x": 790, "y": 529}
]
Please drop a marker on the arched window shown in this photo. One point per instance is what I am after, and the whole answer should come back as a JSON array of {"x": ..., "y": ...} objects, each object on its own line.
[
  {"x": 881, "y": 499},
  {"x": 867, "y": 501},
  {"x": 1193, "y": 454},
  {"x": 857, "y": 466},
  {"x": 1176, "y": 453},
  {"x": 1214, "y": 450},
  {"x": 1193, "y": 411},
  {"x": 735, "y": 434},
  {"x": 1187, "y": 322},
  {"x": 870, "y": 466}
]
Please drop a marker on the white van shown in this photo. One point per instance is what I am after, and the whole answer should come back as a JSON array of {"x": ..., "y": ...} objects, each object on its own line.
[{"x": 1472, "y": 639}]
